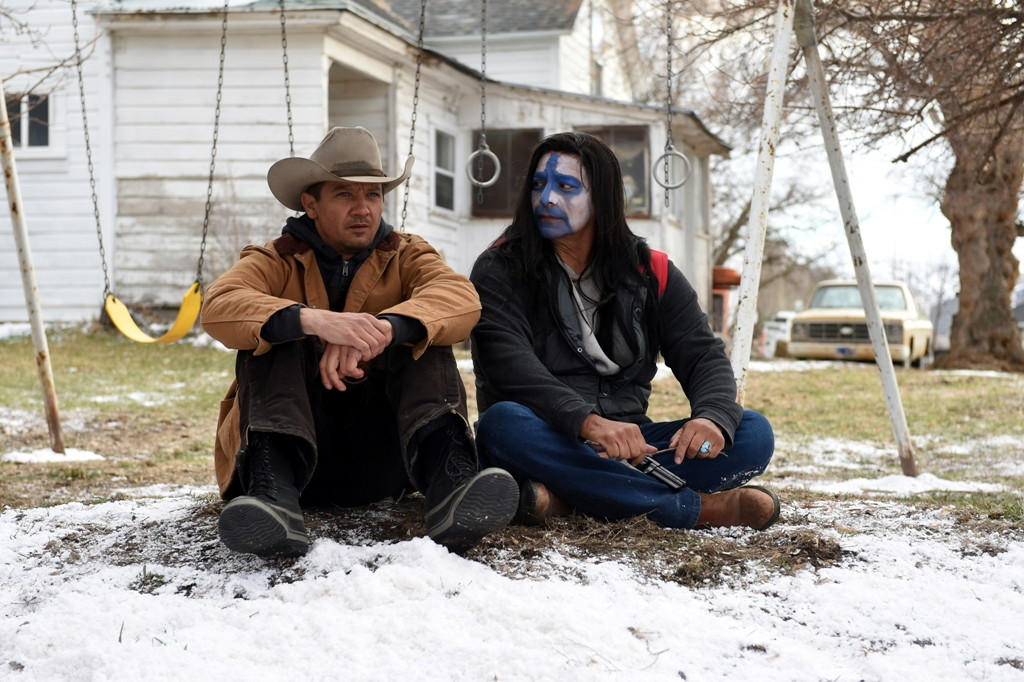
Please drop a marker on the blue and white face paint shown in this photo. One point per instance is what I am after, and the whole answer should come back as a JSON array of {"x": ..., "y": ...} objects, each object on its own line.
[{"x": 561, "y": 196}]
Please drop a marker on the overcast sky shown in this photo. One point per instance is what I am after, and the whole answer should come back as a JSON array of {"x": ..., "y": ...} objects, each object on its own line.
[{"x": 899, "y": 220}]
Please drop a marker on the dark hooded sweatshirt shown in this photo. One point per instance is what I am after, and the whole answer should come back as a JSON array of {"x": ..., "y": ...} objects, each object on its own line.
[{"x": 337, "y": 274}]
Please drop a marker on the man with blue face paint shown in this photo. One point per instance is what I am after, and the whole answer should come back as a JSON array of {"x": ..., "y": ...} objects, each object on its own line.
[
  {"x": 560, "y": 198},
  {"x": 576, "y": 311}
]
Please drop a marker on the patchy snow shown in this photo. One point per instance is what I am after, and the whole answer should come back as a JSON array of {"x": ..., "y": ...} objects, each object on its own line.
[
  {"x": 899, "y": 485},
  {"x": 999, "y": 454},
  {"x": 17, "y": 422},
  {"x": 794, "y": 365},
  {"x": 1000, "y": 443},
  {"x": 48, "y": 455},
  {"x": 204, "y": 340},
  {"x": 137, "y": 397},
  {"x": 165, "y": 490},
  {"x": 663, "y": 372},
  {"x": 12, "y": 329},
  {"x": 977, "y": 373},
  {"x": 141, "y": 589},
  {"x": 826, "y": 453}
]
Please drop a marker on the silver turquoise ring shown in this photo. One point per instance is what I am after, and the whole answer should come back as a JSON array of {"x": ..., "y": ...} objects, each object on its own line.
[{"x": 705, "y": 447}]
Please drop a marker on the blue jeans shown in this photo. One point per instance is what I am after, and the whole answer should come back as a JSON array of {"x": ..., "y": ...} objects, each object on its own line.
[{"x": 511, "y": 436}]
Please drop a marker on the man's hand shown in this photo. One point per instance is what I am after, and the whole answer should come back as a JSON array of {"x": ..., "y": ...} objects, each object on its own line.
[
  {"x": 689, "y": 440},
  {"x": 361, "y": 331},
  {"x": 617, "y": 440},
  {"x": 350, "y": 338},
  {"x": 337, "y": 364}
]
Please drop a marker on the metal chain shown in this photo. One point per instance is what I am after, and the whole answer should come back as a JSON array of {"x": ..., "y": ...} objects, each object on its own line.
[
  {"x": 483, "y": 99},
  {"x": 669, "y": 146},
  {"x": 213, "y": 149},
  {"x": 88, "y": 149},
  {"x": 287, "y": 82},
  {"x": 415, "y": 104}
]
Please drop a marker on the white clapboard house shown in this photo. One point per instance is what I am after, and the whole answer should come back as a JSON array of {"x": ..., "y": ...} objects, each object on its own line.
[{"x": 151, "y": 83}]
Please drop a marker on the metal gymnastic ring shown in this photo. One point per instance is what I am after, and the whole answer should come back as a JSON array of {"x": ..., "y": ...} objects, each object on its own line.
[
  {"x": 670, "y": 152},
  {"x": 483, "y": 151}
]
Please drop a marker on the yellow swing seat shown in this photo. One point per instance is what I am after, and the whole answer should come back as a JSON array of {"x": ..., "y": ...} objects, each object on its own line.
[{"x": 191, "y": 303}]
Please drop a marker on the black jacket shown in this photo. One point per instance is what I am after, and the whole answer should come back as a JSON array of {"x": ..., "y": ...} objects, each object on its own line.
[{"x": 526, "y": 350}]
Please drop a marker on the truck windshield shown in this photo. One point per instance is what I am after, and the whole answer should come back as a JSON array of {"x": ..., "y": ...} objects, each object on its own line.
[{"x": 847, "y": 296}]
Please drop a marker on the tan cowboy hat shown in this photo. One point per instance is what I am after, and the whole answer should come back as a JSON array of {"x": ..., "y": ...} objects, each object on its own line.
[{"x": 345, "y": 154}]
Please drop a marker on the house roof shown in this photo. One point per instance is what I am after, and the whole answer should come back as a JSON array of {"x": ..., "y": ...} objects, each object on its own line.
[
  {"x": 448, "y": 17},
  {"x": 686, "y": 120},
  {"x": 443, "y": 17},
  {"x": 462, "y": 17}
]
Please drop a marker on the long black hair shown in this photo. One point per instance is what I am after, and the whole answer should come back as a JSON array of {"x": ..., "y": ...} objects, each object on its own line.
[
  {"x": 618, "y": 257},
  {"x": 617, "y": 253}
]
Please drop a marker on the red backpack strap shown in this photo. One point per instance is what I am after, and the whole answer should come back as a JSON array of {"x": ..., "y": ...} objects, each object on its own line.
[{"x": 659, "y": 266}]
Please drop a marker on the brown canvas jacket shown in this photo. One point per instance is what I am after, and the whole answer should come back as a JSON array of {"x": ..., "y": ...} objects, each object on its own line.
[{"x": 404, "y": 275}]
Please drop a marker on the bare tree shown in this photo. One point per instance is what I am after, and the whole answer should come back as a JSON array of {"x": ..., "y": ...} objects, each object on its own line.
[
  {"x": 895, "y": 64},
  {"x": 48, "y": 75},
  {"x": 714, "y": 73},
  {"x": 933, "y": 284}
]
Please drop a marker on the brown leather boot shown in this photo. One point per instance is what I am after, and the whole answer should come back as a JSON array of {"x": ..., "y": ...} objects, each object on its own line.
[
  {"x": 752, "y": 506},
  {"x": 537, "y": 505}
]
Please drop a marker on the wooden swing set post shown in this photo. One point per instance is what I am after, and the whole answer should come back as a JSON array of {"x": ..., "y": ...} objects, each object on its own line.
[
  {"x": 797, "y": 16},
  {"x": 816, "y": 73},
  {"x": 28, "y": 278},
  {"x": 753, "y": 253}
]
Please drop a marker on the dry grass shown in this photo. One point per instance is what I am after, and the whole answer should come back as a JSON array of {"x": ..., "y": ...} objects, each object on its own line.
[{"x": 150, "y": 411}]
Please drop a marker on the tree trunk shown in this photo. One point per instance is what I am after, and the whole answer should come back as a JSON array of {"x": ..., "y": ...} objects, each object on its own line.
[{"x": 980, "y": 201}]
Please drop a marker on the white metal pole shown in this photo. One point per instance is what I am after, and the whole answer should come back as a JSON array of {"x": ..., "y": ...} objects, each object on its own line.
[
  {"x": 28, "y": 278},
  {"x": 816, "y": 72},
  {"x": 746, "y": 308}
]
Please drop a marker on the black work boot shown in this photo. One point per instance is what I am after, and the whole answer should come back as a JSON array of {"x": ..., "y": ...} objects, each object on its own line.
[
  {"x": 266, "y": 520},
  {"x": 463, "y": 503}
]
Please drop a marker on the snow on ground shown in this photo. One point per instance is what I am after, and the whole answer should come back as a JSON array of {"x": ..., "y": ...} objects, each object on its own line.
[
  {"x": 140, "y": 588},
  {"x": 900, "y": 485},
  {"x": 17, "y": 422},
  {"x": 911, "y": 602},
  {"x": 204, "y": 340},
  {"x": 664, "y": 372},
  {"x": 48, "y": 455},
  {"x": 13, "y": 329},
  {"x": 794, "y": 365}
]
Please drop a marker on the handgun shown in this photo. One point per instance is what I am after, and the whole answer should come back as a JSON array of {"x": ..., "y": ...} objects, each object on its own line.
[{"x": 653, "y": 467}]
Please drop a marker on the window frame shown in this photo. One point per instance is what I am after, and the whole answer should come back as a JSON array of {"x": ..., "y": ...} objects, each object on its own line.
[
  {"x": 502, "y": 143},
  {"x": 438, "y": 170},
  {"x": 24, "y": 121},
  {"x": 606, "y": 134}
]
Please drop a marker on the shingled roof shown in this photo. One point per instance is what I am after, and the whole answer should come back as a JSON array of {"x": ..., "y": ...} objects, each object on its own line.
[
  {"x": 443, "y": 17},
  {"x": 462, "y": 17}
]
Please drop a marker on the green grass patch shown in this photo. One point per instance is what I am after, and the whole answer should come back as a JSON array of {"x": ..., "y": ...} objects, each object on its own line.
[
  {"x": 106, "y": 373},
  {"x": 151, "y": 411}
]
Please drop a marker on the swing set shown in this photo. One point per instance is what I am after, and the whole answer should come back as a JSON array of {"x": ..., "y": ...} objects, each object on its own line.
[
  {"x": 793, "y": 17},
  {"x": 192, "y": 301},
  {"x": 191, "y": 304}
]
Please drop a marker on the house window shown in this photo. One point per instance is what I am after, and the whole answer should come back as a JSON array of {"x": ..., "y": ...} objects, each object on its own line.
[
  {"x": 444, "y": 170},
  {"x": 513, "y": 148},
  {"x": 30, "y": 120},
  {"x": 630, "y": 147},
  {"x": 717, "y": 311}
]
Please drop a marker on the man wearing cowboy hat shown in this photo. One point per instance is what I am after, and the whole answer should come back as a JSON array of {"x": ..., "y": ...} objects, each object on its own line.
[{"x": 346, "y": 390}]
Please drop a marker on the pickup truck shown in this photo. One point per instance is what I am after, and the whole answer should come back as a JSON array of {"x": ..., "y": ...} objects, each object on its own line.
[{"x": 834, "y": 326}]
